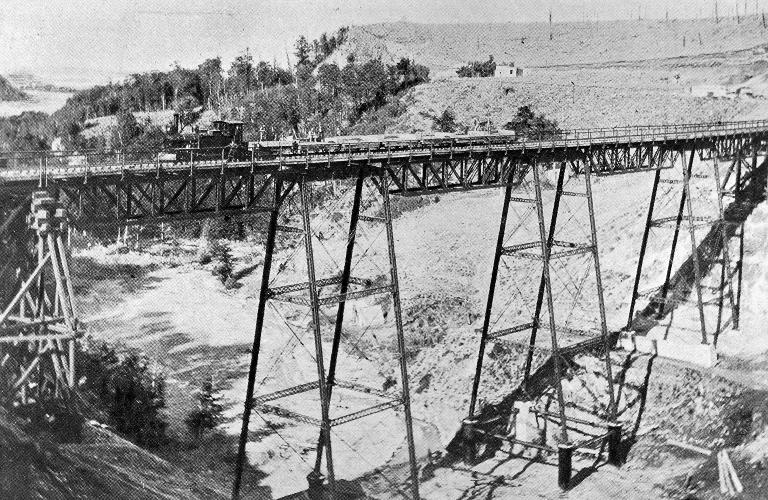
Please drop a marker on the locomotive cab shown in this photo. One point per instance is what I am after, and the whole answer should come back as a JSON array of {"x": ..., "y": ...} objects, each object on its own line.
[{"x": 230, "y": 129}]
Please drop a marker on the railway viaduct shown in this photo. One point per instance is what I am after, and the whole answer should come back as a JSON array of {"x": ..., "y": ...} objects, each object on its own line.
[{"x": 40, "y": 195}]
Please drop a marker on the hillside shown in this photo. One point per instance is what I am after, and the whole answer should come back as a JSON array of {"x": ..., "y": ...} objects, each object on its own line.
[
  {"x": 726, "y": 85},
  {"x": 443, "y": 47},
  {"x": 10, "y": 93},
  {"x": 102, "y": 465}
]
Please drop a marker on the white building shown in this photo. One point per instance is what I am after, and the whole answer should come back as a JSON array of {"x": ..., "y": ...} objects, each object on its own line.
[{"x": 508, "y": 71}]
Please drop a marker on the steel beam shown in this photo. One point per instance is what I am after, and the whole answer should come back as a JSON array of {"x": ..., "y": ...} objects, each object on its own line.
[
  {"x": 643, "y": 247},
  {"x": 325, "y": 427},
  {"x": 600, "y": 299},
  {"x": 491, "y": 292},
  {"x": 695, "y": 249},
  {"x": 557, "y": 375},
  {"x": 546, "y": 251},
  {"x": 676, "y": 235},
  {"x": 344, "y": 287},
  {"x": 400, "y": 338},
  {"x": 256, "y": 347}
]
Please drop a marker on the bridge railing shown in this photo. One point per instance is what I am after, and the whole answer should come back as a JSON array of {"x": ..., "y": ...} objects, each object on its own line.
[
  {"x": 640, "y": 133},
  {"x": 86, "y": 162},
  {"x": 30, "y": 164}
]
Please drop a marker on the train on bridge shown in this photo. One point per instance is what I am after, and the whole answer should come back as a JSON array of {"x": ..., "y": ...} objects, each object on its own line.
[{"x": 224, "y": 141}]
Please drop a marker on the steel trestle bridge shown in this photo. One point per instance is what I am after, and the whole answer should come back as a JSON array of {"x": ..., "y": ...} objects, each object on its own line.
[{"x": 41, "y": 194}]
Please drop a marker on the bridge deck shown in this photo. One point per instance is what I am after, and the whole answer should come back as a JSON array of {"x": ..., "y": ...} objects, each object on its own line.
[{"x": 53, "y": 166}]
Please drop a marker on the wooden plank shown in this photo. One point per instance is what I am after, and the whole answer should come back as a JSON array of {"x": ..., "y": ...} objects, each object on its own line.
[
  {"x": 24, "y": 288},
  {"x": 35, "y": 338},
  {"x": 721, "y": 473},
  {"x": 690, "y": 447},
  {"x": 734, "y": 477}
]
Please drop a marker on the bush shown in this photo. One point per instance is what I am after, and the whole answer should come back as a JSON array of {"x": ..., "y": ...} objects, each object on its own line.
[
  {"x": 208, "y": 413},
  {"x": 529, "y": 125},
  {"x": 477, "y": 68},
  {"x": 55, "y": 416},
  {"x": 446, "y": 122},
  {"x": 130, "y": 393},
  {"x": 221, "y": 254}
]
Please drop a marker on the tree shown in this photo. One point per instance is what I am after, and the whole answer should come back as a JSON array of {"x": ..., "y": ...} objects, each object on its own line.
[
  {"x": 240, "y": 76},
  {"x": 125, "y": 130},
  {"x": 446, "y": 122},
  {"x": 408, "y": 74},
  {"x": 477, "y": 68},
  {"x": 528, "y": 124},
  {"x": 131, "y": 393},
  {"x": 329, "y": 80},
  {"x": 325, "y": 46},
  {"x": 185, "y": 84},
  {"x": 302, "y": 51},
  {"x": 211, "y": 81},
  {"x": 222, "y": 255},
  {"x": 208, "y": 413}
]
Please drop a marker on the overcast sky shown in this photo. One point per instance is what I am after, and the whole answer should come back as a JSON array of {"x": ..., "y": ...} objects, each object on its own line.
[{"x": 103, "y": 37}]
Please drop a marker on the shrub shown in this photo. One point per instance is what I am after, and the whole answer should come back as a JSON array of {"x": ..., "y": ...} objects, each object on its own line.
[
  {"x": 446, "y": 122},
  {"x": 55, "y": 416},
  {"x": 528, "y": 124},
  {"x": 130, "y": 393},
  {"x": 221, "y": 254},
  {"x": 477, "y": 68},
  {"x": 208, "y": 413}
]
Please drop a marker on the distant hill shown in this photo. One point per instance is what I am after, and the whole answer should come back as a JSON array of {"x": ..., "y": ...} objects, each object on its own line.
[
  {"x": 443, "y": 47},
  {"x": 10, "y": 93}
]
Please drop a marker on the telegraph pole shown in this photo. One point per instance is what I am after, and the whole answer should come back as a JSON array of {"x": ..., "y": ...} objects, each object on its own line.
[{"x": 550, "y": 24}]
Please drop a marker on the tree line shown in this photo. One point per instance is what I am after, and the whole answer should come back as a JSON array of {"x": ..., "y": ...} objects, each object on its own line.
[{"x": 305, "y": 99}]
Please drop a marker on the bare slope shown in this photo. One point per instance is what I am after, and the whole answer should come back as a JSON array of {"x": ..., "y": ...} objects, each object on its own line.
[
  {"x": 10, "y": 93},
  {"x": 444, "y": 46}
]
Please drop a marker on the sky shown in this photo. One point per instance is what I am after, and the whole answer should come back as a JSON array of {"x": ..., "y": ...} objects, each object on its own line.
[{"x": 88, "y": 41}]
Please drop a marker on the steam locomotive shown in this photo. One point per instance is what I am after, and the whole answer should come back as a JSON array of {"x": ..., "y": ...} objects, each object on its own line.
[{"x": 223, "y": 141}]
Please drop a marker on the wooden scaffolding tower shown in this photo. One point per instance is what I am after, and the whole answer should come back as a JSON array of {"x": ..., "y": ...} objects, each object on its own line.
[{"x": 38, "y": 322}]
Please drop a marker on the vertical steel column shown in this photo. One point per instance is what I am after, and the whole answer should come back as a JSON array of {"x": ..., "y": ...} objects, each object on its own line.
[
  {"x": 643, "y": 247},
  {"x": 315, "y": 306},
  {"x": 384, "y": 182},
  {"x": 263, "y": 297},
  {"x": 675, "y": 237},
  {"x": 600, "y": 298},
  {"x": 542, "y": 281},
  {"x": 491, "y": 292},
  {"x": 694, "y": 248},
  {"x": 344, "y": 287},
  {"x": 550, "y": 305},
  {"x": 726, "y": 265},
  {"x": 737, "y": 199}
]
